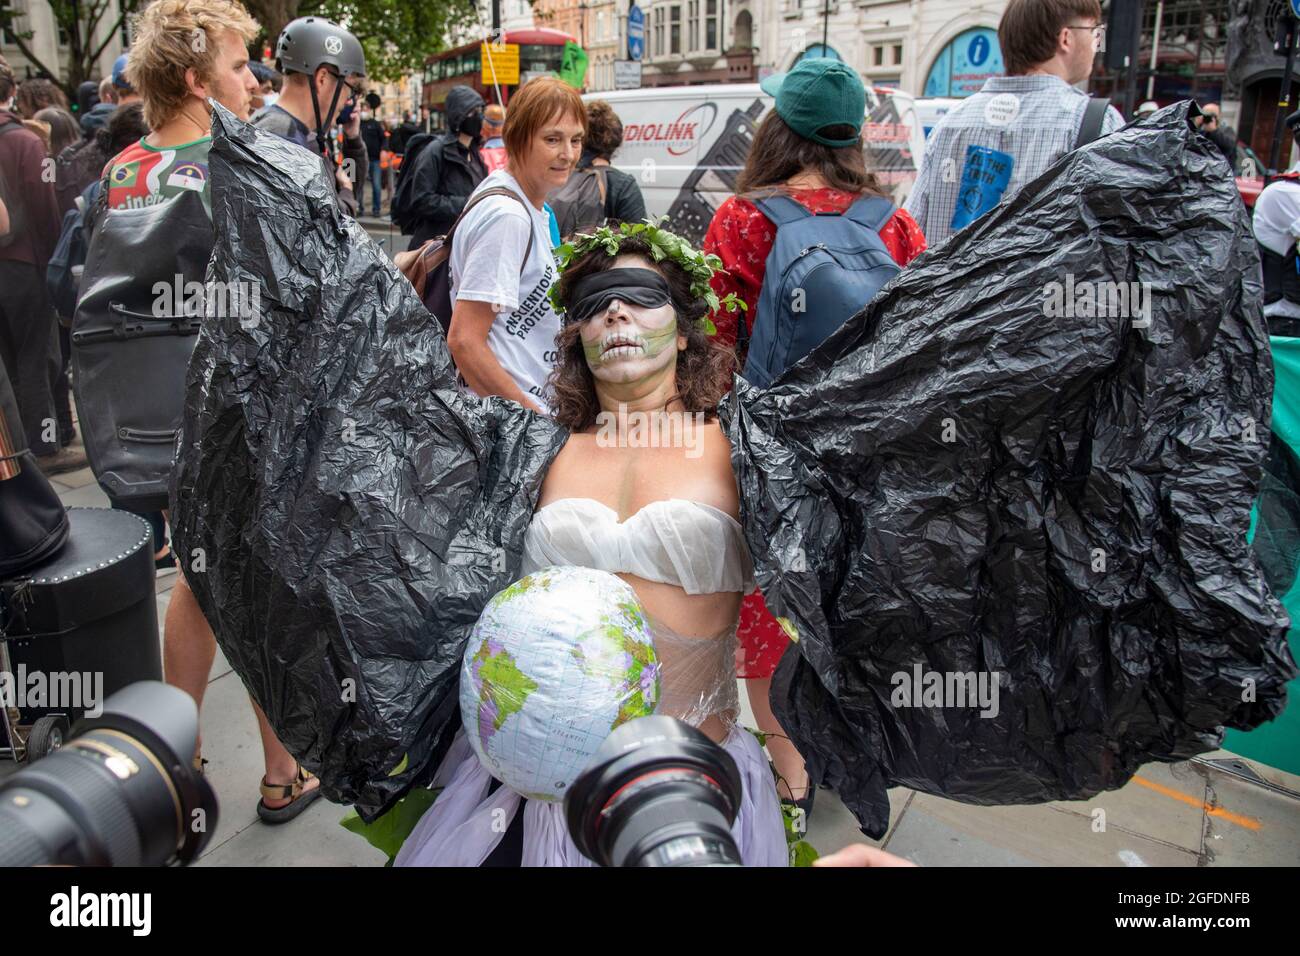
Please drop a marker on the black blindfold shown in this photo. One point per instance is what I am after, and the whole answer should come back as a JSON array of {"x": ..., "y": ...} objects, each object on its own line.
[{"x": 592, "y": 295}]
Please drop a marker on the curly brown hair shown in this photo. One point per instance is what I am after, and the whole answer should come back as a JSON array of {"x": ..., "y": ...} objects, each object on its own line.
[
  {"x": 604, "y": 130},
  {"x": 37, "y": 94},
  {"x": 704, "y": 367}
]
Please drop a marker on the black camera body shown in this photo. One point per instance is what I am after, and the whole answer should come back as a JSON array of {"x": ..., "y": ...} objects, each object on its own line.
[
  {"x": 657, "y": 793},
  {"x": 121, "y": 792}
]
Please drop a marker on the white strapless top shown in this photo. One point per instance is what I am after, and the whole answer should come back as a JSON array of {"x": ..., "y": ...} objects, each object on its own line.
[{"x": 685, "y": 543}]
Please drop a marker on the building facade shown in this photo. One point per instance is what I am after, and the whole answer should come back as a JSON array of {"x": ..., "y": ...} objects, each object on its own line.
[
  {"x": 948, "y": 44},
  {"x": 398, "y": 98},
  {"x": 49, "y": 45},
  {"x": 896, "y": 43}
]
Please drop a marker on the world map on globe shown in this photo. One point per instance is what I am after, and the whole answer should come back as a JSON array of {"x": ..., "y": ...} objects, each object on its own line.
[{"x": 556, "y": 661}]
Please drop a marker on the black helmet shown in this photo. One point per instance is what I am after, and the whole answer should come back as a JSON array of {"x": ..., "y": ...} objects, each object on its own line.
[{"x": 312, "y": 42}]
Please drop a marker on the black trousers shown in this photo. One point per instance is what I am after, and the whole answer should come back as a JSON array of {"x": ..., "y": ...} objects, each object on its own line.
[{"x": 27, "y": 336}]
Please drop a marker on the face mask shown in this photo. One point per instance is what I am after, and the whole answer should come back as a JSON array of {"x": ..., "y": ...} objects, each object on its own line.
[
  {"x": 365, "y": 115},
  {"x": 269, "y": 99},
  {"x": 471, "y": 124}
]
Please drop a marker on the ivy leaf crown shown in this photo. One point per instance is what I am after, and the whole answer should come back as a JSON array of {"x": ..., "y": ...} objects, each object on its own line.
[{"x": 663, "y": 244}]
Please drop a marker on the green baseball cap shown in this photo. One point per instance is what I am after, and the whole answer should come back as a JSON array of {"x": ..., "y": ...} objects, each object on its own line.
[{"x": 819, "y": 92}]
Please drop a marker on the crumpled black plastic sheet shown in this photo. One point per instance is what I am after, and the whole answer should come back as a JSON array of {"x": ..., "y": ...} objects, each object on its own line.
[
  {"x": 344, "y": 511},
  {"x": 1084, "y": 531},
  {"x": 351, "y": 508}
]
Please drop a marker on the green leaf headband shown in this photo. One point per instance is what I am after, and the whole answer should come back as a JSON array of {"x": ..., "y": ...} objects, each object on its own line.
[{"x": 663, "y": 245}]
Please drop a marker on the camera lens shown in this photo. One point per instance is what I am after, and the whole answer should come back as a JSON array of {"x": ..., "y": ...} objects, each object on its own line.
[
  {"x": 122, "y": 792},
  {"x": 658, "y": 793}
]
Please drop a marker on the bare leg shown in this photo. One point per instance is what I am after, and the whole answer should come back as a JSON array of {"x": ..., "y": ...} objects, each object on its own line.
[
  {"x": 280, "y": 764},
  {"x": 789, "y": 765},
  {"x": 188, "y": 644},
  {"x": 189, "y": 648}
]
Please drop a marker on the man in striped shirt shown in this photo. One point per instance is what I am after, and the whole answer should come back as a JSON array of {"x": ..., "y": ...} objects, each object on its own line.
[{"x": 1017, "y": 125}]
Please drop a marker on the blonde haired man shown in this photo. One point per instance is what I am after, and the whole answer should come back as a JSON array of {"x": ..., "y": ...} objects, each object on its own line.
[{"x": 185, "y": 52}]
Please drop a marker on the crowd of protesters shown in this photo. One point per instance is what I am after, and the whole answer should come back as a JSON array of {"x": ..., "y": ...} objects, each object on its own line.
[{"x": 513, "y": 180}]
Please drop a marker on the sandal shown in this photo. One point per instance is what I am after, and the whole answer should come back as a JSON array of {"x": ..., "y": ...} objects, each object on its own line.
[{"x": 299, "y": 798}]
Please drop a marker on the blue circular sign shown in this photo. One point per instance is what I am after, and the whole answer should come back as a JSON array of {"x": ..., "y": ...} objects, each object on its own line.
[{"x": 978, "y": 51}]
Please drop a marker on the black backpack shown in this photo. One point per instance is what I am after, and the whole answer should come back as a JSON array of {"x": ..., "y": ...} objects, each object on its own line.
[
  {"x": 403, "y": 188},
  {"x": 579, "y": 204},
  {"x": 130, "y": 344},
  {"x": 60, "y": 282},
  {"x": 77, "y": 167},
  {"x": 1094, "y": 114}
]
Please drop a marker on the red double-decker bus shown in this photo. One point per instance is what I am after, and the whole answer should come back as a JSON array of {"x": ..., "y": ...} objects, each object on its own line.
[{"x": 540, "y": 52}]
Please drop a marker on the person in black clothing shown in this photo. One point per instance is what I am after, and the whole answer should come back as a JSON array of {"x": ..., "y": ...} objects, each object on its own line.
[
  {"x": 1224, "y": 137},
  {"x": 372, "y": 134},
  {"x": 93, "y": 119},
  {"x": 447, "y": 169},
  {"x": 623, "y": 199},
  {"x": 398, "y": 139}
]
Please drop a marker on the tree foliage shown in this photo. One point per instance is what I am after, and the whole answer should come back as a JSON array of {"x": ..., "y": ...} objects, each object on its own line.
[
  {"x": 89, "y": 25},
  {"x": 397, "y": 34}
]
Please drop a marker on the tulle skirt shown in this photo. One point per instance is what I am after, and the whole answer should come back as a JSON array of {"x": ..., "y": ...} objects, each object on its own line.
[{"x": 466, "y": 822}]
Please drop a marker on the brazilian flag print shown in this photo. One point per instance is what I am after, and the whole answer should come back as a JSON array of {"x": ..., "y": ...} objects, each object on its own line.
[{"x": 125, "y": 174}]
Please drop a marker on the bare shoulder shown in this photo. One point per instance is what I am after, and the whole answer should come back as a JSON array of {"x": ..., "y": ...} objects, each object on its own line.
[
  {"x": 714, "y": 480},
  {"x": 576, "y": 453},
  {"x": 568, "y": 466},
  {"x": 716, "y": 443}
]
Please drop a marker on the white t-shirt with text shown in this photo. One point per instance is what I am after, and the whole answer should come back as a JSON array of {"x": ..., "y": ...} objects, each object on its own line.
[{"x": 485, "y": 257}]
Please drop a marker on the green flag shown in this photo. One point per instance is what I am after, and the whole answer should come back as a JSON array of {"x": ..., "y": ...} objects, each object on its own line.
[{"x": 573, "y": 68}]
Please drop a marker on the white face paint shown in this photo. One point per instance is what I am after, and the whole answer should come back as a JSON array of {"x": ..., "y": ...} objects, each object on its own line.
[{"x": 628, "y": 343}]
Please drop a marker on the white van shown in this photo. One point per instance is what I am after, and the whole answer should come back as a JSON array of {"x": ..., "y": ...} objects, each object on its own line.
[
  {"x": 931, "y": 109},
  {"x": 686, "y": 144}
]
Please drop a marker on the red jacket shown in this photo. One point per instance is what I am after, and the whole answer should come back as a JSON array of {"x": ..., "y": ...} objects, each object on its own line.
[{"x": 29, "y": 178}]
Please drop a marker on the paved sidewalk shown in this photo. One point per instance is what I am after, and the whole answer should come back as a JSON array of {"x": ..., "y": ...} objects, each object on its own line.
[{"x": 1186, "y": 814}]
